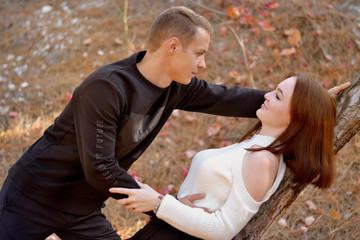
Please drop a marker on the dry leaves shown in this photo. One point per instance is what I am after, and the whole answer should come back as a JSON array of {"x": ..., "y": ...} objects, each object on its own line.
[
  {"x": 214, "y": 129},
  {"x": 309, "y": 220},
  {"x": 266, "y": 25},
  {"x": 288, "y": 52},
  {"x": 335, "y": 214},
  {"x": 233, "y": 11},
  {"x": 294, "y": 36},
  {"x": 311, "y": 204}
]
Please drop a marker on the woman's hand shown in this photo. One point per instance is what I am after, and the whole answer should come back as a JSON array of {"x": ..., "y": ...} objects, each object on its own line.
[
  {"x": 189, "y": 200},
  {"x": 139, "y": 200},
  {"x": 335, "y": 90}
]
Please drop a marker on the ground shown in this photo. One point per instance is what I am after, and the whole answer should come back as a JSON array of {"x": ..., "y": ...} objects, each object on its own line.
[{"x": 49, "y": 46}]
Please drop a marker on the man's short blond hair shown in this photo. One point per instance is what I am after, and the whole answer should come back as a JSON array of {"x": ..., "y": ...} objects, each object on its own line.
[{"x": 179, "y": 22}]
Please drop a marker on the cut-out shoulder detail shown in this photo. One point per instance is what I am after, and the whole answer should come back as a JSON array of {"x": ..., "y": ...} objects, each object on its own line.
[{"x": 259, "y": 172}]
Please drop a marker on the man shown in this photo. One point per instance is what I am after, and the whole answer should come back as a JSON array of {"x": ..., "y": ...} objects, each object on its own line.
[{"x": 60, "y": 183}]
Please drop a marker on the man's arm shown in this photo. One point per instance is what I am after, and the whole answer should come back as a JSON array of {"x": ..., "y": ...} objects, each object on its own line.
[
  {"x": 200, "y": 96},
  {"x": 97, "y": 104}
]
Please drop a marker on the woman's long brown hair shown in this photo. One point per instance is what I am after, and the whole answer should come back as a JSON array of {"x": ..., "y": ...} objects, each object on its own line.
[{"x": 307, "y": 143}]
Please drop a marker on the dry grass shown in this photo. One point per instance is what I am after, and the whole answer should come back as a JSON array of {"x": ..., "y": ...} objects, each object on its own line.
[{"x": 46, "y": 55}]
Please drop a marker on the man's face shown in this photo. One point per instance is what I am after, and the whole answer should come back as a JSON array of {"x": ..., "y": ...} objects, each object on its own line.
[{"x": 187, "y": 62}]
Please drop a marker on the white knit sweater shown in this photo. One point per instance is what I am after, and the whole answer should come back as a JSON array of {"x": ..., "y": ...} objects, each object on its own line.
[{"x": 218, "y": 173}]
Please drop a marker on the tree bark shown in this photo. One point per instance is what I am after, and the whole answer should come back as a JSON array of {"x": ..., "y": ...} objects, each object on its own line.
[{"x": 347, "y": 125}]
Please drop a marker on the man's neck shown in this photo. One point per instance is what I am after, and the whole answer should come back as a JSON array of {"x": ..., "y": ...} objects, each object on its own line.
[{"x": 153, "y": 68}]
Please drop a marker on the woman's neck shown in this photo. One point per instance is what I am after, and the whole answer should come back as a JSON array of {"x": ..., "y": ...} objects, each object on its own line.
[{"x": 272, "y": 132}]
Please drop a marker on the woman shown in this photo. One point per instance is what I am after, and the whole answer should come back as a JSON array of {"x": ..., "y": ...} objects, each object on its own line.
[{"x": 295, "y": 129}]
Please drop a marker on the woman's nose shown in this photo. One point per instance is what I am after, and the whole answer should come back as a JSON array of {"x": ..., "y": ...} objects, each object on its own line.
[{"x": 267, "y": 97}]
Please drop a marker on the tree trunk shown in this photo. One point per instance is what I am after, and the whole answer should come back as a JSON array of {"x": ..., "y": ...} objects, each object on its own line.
[{"x": 347, "y": 125}]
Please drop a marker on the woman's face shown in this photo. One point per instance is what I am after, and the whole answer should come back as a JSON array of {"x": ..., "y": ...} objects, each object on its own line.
[{"x": 275, "y": 111}]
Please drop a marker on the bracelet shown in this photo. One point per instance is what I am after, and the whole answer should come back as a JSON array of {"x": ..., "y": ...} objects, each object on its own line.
[{"x": 159, "y": 200}]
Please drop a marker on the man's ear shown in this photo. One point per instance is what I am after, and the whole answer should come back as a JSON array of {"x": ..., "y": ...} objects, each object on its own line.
[{"x": 172, "y": 45}]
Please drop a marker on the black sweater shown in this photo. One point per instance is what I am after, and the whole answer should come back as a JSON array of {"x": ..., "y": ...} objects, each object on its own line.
[{"x": 111, "y": 119}]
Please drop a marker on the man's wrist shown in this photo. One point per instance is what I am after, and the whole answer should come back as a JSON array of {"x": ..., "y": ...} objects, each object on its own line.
[{"x": 158, "y": 203}]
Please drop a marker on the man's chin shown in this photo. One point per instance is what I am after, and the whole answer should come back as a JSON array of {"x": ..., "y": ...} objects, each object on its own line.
[{"x": 186, "y": 82}]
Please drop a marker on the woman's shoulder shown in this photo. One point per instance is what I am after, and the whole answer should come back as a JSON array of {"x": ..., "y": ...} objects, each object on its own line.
[
  {"x": 259, "y": 172},
  {"x": 263, "y": 160}
]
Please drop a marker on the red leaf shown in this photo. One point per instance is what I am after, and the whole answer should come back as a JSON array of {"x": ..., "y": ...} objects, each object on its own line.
[
  {"x": 270, "y": 5},
  {"x": 167, "y": 124},
  {"x": 250, "y": 18},
  {"x": 265, "y": 25},
  {"x": 223, "y": 31},
  {"x": 263, "y": 13},
  {"x": 349, "y": 43},
  {"x": 163, "y": 134},
  {"x": 68, "y": 96},
  {"x": 326, "y": 83},
  {"x": 158, "y": 190},
  {"x": 304, "y": 63},
  {"x": 233, "y": 11},
  {"x": 166, "y": 190},
  {"x": 132, "y": 46},
  {"x": 13, "y": 114},
  {"x": 224, "y": 143},
  {"x": 268, "y": 42},
  {"x": 244, "y": 20},
  {"x": 184, "y": 171}
]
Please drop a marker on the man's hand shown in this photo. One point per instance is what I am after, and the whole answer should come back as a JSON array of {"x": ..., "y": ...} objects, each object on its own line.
[
  {"x": 189, "y": 200},
  {"x": 139, "y": 200},
  {"x": 335, "y": 90}
]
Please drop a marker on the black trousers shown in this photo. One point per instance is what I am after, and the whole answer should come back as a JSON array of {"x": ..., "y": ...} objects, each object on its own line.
[
  {"x": 24, "y": 219},
  {"x": 157, "y": 229}
]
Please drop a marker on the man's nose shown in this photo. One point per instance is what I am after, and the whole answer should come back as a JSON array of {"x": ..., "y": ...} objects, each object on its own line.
[{"x": 202, "y": 64}]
